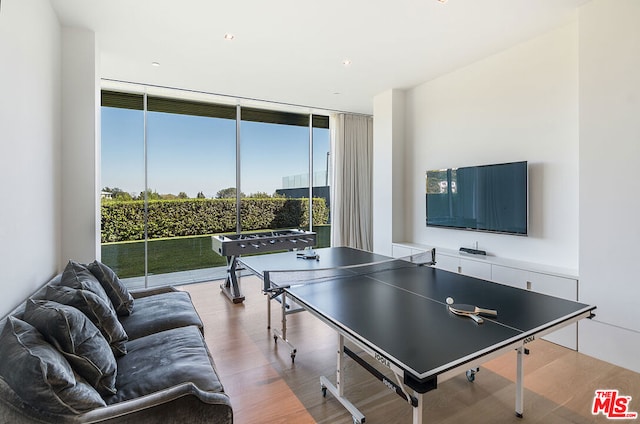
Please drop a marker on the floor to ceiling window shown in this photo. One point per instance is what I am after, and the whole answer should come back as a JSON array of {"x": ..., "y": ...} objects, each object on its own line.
[
  {"x": 169, "y": 181},
  {"x": 191, "y": 157},
  {"x": 123, "y": 179},
  {"x": 322, "y": 175},
  {"x": 273, "y": 147}
]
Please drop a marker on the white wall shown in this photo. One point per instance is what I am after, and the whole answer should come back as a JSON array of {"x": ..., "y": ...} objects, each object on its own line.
[
  {"x": 388, "y": 162},
  {"x": 29, "y": 148},
  {"x": 569, "y": 103},
  {"x": 80, "y": 153},
  {"x": 609, "y": 178},
  {"x": 521, "y": 104}
]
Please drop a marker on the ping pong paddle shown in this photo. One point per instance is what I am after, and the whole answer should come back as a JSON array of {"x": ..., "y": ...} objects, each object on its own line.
[
  {"x": 471, "y": 311},
  {"x": 308, "y": 254}
]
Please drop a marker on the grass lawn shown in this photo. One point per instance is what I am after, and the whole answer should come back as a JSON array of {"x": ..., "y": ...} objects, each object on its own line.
[
  {"x": 165, "y": 255},
  {"x": 173, "y": 254}
]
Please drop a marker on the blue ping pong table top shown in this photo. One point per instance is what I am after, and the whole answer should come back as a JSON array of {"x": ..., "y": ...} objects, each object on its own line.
[{"x": 402, "y": 313}]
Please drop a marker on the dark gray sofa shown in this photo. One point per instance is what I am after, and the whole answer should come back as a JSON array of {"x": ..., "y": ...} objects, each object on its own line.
[{"x": 152, "y": 365}]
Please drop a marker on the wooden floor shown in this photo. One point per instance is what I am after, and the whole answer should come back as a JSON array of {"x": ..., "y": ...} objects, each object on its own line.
[{"x": 266, "y": 387}]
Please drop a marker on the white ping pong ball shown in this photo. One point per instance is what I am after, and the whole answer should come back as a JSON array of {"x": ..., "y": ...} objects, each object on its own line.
[{"x": 449, "y": 301}]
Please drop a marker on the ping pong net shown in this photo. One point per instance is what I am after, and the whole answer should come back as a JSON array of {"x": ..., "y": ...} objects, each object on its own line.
[{"x": 277, "y": 280}]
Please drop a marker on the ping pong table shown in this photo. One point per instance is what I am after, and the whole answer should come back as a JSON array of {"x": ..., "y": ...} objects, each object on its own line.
[{"x": 395, "y": 310}]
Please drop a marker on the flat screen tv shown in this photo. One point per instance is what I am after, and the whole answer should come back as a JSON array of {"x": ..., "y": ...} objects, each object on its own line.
[{"x": 482, "y": 198}]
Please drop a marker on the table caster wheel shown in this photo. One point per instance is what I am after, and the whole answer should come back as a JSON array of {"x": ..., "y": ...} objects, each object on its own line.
[{"x": 471, "y": 374}]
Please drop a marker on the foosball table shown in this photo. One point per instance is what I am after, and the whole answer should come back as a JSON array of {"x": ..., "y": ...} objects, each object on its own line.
[{"x": 233, "y": 245}]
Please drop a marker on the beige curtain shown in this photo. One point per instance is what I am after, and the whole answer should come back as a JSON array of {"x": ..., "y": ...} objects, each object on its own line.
[{"x": 351, "y": 215}]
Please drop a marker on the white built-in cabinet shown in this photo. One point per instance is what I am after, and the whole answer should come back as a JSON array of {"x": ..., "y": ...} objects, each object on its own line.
[{"x": 524, "y": 275}]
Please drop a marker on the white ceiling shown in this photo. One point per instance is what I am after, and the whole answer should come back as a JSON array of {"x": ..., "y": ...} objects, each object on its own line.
[{"x": 291, "y": 51}]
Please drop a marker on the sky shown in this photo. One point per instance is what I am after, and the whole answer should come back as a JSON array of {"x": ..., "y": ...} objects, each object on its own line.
[{"x": 192, "y": 154}]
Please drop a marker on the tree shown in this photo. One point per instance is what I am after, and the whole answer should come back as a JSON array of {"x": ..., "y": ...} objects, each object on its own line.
[
  {"x": 260, "y": 195},
  {"x": 228, "y": 193},
  {"x": 121, "y": 196},
  {"x": 182, "y": 195},
  {"x": 151, "y": 195},
  {"x": 200, "y": 195},
  {"x": 118, "y": 194}
]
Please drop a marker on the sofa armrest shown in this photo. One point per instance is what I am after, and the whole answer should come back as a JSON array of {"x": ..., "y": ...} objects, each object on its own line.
[
  {"x": 183, "y": 403},
  {"x": 179, "y": 404},
  {"x": 139, "y": 293}
]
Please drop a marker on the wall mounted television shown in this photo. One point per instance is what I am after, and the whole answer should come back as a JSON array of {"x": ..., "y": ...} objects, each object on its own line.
[{"x": 491, "y": 198}]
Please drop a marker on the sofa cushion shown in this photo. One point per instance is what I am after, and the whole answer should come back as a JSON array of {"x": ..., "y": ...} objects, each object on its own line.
[
  {"x": 39, "y": 374},
  {"x": 160, "y": 312},
  {"x": 164, "y": 360},
  {"x": 78, "y": 339},
  {"x": 116, "y": 291},
  {"x": 77, "y": 276},
  {"x": 96, "y": 310}
]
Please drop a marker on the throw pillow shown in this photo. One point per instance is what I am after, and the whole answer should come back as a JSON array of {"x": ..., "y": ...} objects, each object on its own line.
[
  {"x": 78, "y": 339},
  {"x": 40, "y": 375},
  {"x": 96, "y": 310},
  {"x": 118, "y": 294},
  {"x": 77, "y": 276}
]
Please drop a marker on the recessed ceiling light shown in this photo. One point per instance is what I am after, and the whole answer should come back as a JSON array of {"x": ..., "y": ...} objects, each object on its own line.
[
  {"x": 442, "y": 1},
  {"x": 229, "y": 36},
  {"x": 346, "y": 62},
  {"x": 156, "y": 64}
]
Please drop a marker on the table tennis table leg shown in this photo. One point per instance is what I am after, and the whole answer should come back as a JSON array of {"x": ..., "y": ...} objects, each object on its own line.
[
  {"x": 282, "y": 333},
  {"x": 338, "y": 390},
  {"x": 268, "y": 296},
  {"x": 340, "y": 365},
  {"x": 417, "y": 410},
  {"x": 519, "y": 382},
  {"x": 284, "y": 316}
]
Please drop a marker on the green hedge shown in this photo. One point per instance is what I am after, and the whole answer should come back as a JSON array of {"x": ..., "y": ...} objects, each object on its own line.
[{"x": 124, "y": 220}]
